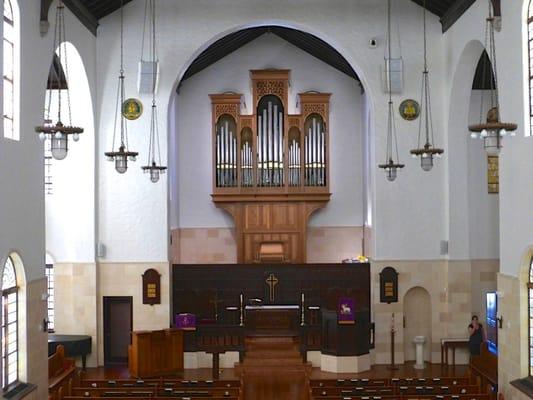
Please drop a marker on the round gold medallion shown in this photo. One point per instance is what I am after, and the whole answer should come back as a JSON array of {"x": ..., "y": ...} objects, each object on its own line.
[
  {"x": 132, "y": 109},
  {"x": 409, "y": 109}
]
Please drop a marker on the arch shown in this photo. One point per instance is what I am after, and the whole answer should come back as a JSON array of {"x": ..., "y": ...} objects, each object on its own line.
[
  {"x": 68, "y": 237},
  {"x": 525, "y": 293},
  {"x": 14, "y": 260},
  {"x": 369, "y": 103},
  {"x": 418, "y": 321}
]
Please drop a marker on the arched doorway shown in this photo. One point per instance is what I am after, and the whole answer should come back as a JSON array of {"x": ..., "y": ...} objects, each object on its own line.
[{"x": 417, "y": 315}]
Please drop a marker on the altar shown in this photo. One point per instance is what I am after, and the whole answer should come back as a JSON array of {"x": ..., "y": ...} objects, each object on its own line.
[
  {"x": 272, "y": 320},
  {"x": 232, "y": 302}
]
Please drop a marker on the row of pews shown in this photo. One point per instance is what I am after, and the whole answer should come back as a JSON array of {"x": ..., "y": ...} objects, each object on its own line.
[
  {"x": 156, "y": 389},
  {"x": 445, "y": 388}
]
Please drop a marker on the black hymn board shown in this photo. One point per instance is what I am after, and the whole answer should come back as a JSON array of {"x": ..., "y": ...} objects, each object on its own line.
[{"x": 388, "y": 285}]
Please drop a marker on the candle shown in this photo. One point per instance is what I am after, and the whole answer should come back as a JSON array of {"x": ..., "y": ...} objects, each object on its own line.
[
  {"x": 241, "y": 299},
  {"x": 303, "y": 297}
]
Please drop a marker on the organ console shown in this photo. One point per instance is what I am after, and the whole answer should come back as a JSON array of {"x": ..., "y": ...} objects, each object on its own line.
[{"x": 270, "y": 168}]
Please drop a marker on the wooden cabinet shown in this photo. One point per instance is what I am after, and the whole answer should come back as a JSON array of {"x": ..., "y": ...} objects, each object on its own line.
[{"x": 155, "y": 353}]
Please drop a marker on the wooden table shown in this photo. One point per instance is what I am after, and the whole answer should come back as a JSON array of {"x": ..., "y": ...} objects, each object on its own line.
[{"x": 447, "y": 344}]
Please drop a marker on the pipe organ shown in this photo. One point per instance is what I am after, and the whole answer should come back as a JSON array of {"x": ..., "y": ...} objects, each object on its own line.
[{"x": 270, "y": 168}]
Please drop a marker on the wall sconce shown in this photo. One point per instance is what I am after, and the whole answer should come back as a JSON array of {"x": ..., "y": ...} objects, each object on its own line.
[
  {"x": 500, "y": 321},
  {"x": 45, "y": 325}
]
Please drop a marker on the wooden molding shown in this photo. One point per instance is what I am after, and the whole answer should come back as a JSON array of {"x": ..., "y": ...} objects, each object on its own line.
[
  {"x": 457, "y": 9},
  {"x": 77, "y": 8}
]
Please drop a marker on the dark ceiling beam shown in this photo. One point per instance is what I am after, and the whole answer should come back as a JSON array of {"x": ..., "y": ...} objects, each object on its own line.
[
  {"x": 76, "y": 7},
  {"x": 83, "y": 14},
  {"x": 457, "y": 9}
]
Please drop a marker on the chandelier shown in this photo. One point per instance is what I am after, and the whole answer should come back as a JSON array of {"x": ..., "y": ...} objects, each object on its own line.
[
  {"x": 426, "y": 149},
  {"x": 58, "y": 133},
  {"x": 153, "y": 166},
  {"x": 123, "y": 154},
  {"x": 493, "y": 130},
  {"x": 390, "y": 166}
]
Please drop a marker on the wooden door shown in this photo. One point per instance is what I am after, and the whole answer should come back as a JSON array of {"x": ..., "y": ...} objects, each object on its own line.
[{"x": 118, "y": 325}]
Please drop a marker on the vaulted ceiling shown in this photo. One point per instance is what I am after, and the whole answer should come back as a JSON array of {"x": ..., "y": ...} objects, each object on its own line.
[{"x": 90, "y": 11}]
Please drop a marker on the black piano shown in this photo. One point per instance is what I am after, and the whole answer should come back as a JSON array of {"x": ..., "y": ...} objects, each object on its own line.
[{"x": 75, "y": 345}]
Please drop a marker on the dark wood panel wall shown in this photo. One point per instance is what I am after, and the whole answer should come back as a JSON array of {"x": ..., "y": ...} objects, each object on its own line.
[{"x": 206, "y": 290}]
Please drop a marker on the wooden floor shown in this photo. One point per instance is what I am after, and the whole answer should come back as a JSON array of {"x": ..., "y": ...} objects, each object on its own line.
[{"x": 406, "y": 370}]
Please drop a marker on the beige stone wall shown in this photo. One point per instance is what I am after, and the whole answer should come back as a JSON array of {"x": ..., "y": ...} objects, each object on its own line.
[
  {"x": 76, "y": 301},
  {"x": 203, "y": 245},
  {"x": 36, "y": 339},
  {"x": 483, "y": 281},
  {"x": 449, "y": 285},
  {"x": 125, "y": 279},
  {"x": 218, "y": 246},
  {"x": 512, "y": 338},
  {"x": 333, "y": 244}
]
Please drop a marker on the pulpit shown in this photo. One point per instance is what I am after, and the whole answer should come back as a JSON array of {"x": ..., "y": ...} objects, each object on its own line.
[{"x": 155, "y": 353}]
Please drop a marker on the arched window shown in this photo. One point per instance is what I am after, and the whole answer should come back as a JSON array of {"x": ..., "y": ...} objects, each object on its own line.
[
  {"x": 530, "y": 308},
  {"x": 10, "y": 346},
  {"x": 10, "y": 70},
  {"x": 530, "y": 63}
]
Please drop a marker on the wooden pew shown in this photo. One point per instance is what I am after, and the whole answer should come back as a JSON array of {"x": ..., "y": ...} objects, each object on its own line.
[
  {"x": 62, "y": 375},
  {"x": 359, "y": 391},
  {"x": 442, "y": 381},
  {"x": 162, "y": 382},
  {"x": 408, "y": 397}
]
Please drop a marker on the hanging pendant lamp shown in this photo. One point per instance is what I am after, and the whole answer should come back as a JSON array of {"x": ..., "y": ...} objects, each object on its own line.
[
  {"x": 153, "y": 166},
  {"x": 58, "y": 133},
  {"x": 390, "y": 166},
  {"x": 426, "y": 149},
  {"x": 493, "y": 130},
  {"x": 123, "y": 154}
]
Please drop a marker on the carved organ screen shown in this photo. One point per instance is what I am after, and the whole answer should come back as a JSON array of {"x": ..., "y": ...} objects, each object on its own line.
[{"x": 270, "y": 157}]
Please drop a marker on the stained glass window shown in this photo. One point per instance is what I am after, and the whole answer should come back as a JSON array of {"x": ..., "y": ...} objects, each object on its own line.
[
  {"x": 9, "y": 71},
  {"x": 530, "y": 62},
  {"x": 50, "y": 281},
  {"x": 9, "y": 325}
]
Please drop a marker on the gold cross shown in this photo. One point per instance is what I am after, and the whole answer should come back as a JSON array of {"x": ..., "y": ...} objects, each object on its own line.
[{"x": 272, "y": 281}]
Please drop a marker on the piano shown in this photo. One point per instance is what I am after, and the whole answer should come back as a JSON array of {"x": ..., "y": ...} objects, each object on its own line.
[{"x": 75, "y": 345}]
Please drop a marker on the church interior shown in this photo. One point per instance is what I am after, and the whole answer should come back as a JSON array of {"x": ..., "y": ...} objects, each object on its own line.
[{"x": 257, "y": 200}]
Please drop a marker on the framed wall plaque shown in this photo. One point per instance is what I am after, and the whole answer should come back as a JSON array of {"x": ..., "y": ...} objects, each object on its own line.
[
  {"x": 151, "y": 287},
  {"x": 388, "y": 285},
  {"x": 493, "y": 174}
]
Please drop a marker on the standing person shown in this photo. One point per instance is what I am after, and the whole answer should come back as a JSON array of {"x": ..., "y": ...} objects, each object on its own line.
[{"x": 477, "y": 336}]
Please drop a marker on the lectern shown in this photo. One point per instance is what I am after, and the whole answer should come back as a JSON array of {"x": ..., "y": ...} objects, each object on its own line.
[{"x": 155, "y": 353}]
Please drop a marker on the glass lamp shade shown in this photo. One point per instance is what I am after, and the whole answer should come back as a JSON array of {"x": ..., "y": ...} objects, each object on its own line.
[
  {"x": 121, "y": 163},
  {"x": 154, "y": 175},
  {"x": 426, "y": 161},
  {"x": 492, "y": 143},
  {"x": 59, "y": 146},
  {"x": 391, "y": 173}
]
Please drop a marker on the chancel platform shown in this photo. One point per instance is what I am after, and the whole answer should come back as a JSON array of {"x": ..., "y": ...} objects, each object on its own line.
[{"x": 234, "y": 301}]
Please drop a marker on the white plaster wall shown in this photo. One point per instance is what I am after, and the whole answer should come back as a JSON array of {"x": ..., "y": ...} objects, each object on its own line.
[
  {"x": 194, "y": 131},
  {"x": 70, "y": 211},
  {"x": 483, "y": 208},
  {"x": 21, "y": 162},
  {"x": 516, "y": 168},
  {"x": 409, "y": 215}
]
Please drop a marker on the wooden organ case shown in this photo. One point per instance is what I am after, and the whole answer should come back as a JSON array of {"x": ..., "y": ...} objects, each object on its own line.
[{"x": 271, "y": 168}]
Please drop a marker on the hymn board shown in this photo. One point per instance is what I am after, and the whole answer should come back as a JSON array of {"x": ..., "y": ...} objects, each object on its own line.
[{"x": 270, "y": 168}]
